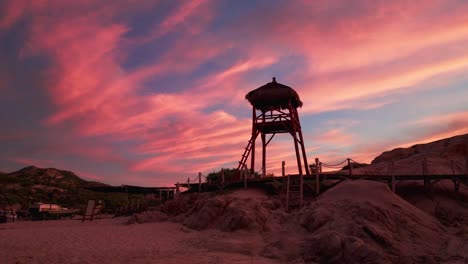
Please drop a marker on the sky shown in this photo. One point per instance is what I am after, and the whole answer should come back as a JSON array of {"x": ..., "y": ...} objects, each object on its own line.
[{"x": 152, "y": 92}]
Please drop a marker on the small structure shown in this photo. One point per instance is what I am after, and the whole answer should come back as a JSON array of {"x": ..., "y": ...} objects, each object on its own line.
[
  {"x": 277, "y": 104},
  {"x": 274, "y": 111},
  {"x": 42, "y": 207}
]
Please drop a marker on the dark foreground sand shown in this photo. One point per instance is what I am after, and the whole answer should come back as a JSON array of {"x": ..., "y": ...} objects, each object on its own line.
[
  {"x": 109, "y": 241},
  {"x": 354, "y": 222}
]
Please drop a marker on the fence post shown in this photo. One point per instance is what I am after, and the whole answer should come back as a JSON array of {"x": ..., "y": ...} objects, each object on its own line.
[
  {"x": 283, "y": 174},
  {"x": 222, "y": 176},
  {"x": 350, "y": 166},
  {"x": 317, "y": 177},
  {"x": 390, "y": 172},
  {"x": 456, "y": 179},
  {"x": 287, "y": 192},
  {"x": 466, "y": 166},
  {"x": 283, "y": 168},
  {"x": 177, "y": 189},
  {"x": 199, "y": 182},
  {"x": 425, "y": 172},
  {"x": 245, "y": 176}
]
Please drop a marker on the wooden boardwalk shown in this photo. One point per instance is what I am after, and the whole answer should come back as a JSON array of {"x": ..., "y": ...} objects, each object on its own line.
[
  {"x": 292, "y": 188},
  {"x": 457, "y": 179}
]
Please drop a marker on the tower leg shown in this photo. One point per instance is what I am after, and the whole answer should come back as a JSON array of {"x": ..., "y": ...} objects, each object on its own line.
[
  {"x": 254, "y": 132},
  {"x": 294, "y": 135},
  {"x": 263, "y": 155},
  {"x": 304, "y": 156},
  {"x": 252, "y": 161},
  {"x": 298, "y": 157}
]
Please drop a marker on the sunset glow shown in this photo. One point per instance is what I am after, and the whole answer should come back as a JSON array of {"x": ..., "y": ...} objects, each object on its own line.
[{"x": 153, "y": 93}]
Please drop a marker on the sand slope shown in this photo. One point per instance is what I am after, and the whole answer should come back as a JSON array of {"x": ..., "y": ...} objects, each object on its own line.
[
  {"x": 364, "y": 222},
  {"x": 354, "y": 222},
  {"x": 109, "y": 241}
]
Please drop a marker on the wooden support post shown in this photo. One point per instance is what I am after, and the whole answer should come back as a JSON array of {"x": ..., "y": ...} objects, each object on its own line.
[
  {"x": 317, "y": 177},
  {"x": 283, "y": 173},
  {"x": 296, "y": 146},
  {"x": 456, "y": 179},
  {"x": 350, "y": 166},
  {"x": 390, "y": 172},
  {"x": 241, "y": 174},
  {"x": 254, "y": 132},
  {"x": 288, "y": 182},
  {"x": 263, "y": 152},
  {"x": 294, "y": 135},
  {"x": 320, "y": 167},
  {"x": 199, "y": 182},
  {"x": 222, "y": 176},
  {"x": 466, "y": 161},
  {"x": 245, "y": 176},
  {"x": 424, "y": 166},
  {"x": 301, "y": 188},
  {"x": 425, "y": 173}
]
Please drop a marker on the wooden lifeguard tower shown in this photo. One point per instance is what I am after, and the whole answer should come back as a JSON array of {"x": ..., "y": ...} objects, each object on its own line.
[{"x": 277, "y": 106}]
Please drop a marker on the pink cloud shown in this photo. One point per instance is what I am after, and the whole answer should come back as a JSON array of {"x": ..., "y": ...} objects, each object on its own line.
[
  {"x": 336, "y": 136},
  {"x": 12, "y": 12},
  {"x": 361, "y": 55},
  {"x": 351, "y": 58},
  {"x": 360, "y": 91}
]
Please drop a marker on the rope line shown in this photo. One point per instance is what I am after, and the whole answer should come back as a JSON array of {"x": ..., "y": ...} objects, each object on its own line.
[
  {"x": 333, "y": 165},
  {"x": 354, "y": 161}
]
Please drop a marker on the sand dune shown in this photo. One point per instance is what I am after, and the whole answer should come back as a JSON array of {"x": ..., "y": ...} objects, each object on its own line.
[{"x": 354, "y": 222}]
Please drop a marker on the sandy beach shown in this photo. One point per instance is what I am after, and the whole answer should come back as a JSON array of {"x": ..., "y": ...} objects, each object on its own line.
[
  {"x": 244, "y": 226},
  {"x": 110, "y": 241}
]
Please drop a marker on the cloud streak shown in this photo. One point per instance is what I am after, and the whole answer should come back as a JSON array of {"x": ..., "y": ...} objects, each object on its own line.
[{"x": 149, "y": 93}]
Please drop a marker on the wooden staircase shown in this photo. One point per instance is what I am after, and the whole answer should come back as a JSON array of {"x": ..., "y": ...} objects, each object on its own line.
[
  {"x": 294, "y": 192},
  {"x": 247, "y": 151}
]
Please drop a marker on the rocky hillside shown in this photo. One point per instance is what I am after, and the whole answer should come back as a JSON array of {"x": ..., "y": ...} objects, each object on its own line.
[
  {"x": 454, "y": 147},
  {"x": 445, "y": 156},
  {"x": 32, "y": 184}
]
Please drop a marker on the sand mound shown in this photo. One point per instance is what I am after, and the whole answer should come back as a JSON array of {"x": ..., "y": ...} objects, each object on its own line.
[
  {"x": 440, "y": 201},
  {"x": 147, "y": 217},
  {"x": 228, "y": 212},
  {"x": 364, "y": 222}
]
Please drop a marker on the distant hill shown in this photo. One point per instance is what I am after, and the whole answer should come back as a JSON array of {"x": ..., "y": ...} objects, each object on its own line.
[
  {"x": 445, "y": 156},
  {"x": 32, "y": 184},
  {"x": 455, "y": 147}
]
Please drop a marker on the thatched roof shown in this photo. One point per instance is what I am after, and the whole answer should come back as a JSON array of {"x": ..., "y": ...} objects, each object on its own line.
[{"x": 273, "y": 95}]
